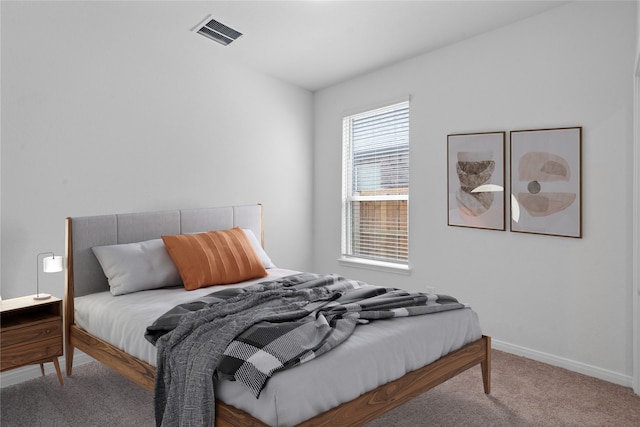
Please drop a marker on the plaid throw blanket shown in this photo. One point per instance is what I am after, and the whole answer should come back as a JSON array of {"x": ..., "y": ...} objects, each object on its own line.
[{"x": 251, "y": 333}]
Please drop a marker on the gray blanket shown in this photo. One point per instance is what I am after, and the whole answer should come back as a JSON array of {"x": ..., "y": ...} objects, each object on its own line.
[{"x": 249, "y": 334}]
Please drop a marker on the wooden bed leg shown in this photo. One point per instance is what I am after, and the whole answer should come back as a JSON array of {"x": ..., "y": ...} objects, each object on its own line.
[
  {"x": 486, "y": 368},
  {"x": 68, "y": 360},
  {"x": 69, "y": 295}
]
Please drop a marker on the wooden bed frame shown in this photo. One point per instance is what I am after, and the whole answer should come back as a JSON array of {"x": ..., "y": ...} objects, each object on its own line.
[{"x": 357, "y": 412}]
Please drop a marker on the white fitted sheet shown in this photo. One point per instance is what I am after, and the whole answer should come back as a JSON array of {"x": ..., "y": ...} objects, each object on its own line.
[{"x": 375, "y": 354}]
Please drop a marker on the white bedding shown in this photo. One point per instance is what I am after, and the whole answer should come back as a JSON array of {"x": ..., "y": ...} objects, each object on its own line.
[{"x": 368, "y": 359}]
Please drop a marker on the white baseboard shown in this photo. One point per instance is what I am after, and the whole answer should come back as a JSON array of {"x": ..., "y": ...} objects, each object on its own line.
[
  {"x": 571, "y": 365},
  {"x": 30, "y": 372}
]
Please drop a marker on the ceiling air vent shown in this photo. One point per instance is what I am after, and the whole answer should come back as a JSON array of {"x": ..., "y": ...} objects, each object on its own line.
[{"x": 217, "y": 31}]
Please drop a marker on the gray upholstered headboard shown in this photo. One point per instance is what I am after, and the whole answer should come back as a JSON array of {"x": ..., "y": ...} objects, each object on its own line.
[{"x": 84, "y": 273}]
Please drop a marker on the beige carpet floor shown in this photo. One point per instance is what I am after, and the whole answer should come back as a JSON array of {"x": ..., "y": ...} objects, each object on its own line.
[{"x": 524, "y": 393}]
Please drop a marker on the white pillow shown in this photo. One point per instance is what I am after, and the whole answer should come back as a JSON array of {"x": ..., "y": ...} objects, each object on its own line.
[
  {"x": 257, "y": 247},
  {"x": 134, "y": 267}
]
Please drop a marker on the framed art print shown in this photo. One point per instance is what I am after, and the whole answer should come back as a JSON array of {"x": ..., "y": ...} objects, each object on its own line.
[
  {"x": 476, "y": 180},
  {"x": 546, "y": 181}
]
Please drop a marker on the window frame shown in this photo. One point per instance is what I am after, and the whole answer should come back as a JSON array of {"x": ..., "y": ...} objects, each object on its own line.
[{"x": 348, "y": 257}]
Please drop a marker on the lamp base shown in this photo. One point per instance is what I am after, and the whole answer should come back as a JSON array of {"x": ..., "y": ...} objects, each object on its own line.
[{"x": 41, "y": 296}]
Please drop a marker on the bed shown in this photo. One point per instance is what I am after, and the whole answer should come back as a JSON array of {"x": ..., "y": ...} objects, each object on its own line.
[{"x": 353, "y": 384}]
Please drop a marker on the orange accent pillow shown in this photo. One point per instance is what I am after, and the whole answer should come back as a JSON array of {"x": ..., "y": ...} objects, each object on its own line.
[{"x": 214, "y": 258}]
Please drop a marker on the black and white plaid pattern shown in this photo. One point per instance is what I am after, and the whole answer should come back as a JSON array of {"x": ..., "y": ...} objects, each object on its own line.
[
  {"x": 268, "y": 347},
  {"x": 255, "y": 355}
]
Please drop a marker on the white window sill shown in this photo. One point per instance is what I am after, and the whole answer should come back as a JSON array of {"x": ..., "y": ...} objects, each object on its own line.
[{"x": 388, "y": 267}]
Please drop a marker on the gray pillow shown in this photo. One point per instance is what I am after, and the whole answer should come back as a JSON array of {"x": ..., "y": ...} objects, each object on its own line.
[
  {"x": 140, "y": 266},
  {"x": 257, "y": 247}
]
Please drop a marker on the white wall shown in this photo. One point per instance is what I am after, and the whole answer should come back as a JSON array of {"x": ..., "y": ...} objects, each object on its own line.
[
  {"x": 118, "y": 107},
  {"x": 566, "y": 301},
  {"x": 636, "y": 195},
  {"x": 128, "y": 117}
]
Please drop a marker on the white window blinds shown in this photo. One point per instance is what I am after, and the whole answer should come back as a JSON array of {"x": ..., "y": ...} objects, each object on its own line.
[{"x": 376, "y": 184}]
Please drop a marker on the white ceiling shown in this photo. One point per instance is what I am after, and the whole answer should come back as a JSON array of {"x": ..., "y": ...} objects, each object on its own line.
[{"x": 317, "y": 43}]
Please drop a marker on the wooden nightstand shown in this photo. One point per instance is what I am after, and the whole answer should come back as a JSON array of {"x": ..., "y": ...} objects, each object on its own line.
[{"x": 30, "y": 333}]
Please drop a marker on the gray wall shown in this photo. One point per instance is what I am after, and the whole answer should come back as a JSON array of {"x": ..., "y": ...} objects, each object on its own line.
[
  {"x": 562, "y": 300},
  {"x": 118, "y": 107}
]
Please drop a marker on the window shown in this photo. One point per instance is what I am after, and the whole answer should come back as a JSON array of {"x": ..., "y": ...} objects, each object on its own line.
[{"x": 375, "y": 197}]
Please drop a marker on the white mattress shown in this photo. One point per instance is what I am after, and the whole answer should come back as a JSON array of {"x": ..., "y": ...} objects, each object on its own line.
[{"x": 375, "y": 354}]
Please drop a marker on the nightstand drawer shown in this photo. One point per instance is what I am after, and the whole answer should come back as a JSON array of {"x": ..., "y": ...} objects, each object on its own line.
[
  {"x": 32, "y": 352},
  {"x": 31, "y": 333}
]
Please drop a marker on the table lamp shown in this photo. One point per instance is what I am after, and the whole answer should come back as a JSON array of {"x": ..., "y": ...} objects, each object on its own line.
[{"x": 50, "y": 264}]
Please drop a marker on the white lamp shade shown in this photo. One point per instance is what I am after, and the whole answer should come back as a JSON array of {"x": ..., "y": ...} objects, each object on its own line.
[{"x": 52, "y": 264}]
